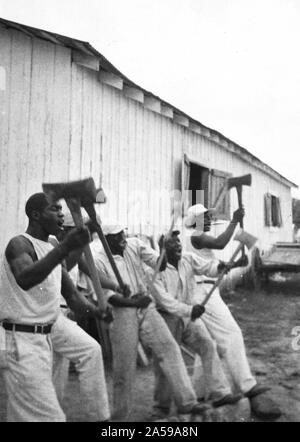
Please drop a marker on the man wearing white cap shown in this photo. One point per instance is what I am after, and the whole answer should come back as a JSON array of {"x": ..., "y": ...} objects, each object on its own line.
[
  {"x": 79, "y": 274},
  {"x": 217, "y": 317},
  {"x": 175, "y": 293},
  {"x": 136, "y": 318}
]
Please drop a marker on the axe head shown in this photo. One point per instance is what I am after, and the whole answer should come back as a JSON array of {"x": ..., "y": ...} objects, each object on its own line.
[
  {"x": 83, "y": 190},
  {"x": 244, "y": 180},
  {"x": 245, "y": 238},
  {"x": 100, "y": 196}
]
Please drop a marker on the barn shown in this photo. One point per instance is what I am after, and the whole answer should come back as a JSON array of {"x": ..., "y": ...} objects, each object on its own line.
[{"x": 67, "y": 113}]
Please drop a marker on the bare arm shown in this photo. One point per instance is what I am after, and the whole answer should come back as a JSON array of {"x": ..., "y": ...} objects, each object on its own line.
[
  {"x": 205, "y": 241},
  {"x": 74, "y": 258},
  {"x": 137, "y": 301},
  {"x": 27, "y": 271},
  {"x": 76, "y": 300},
  {"x": 106, "y": 282}
]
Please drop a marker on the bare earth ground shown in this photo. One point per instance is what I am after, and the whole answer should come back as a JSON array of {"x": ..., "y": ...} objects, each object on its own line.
[{"x": 267, "y": 319}]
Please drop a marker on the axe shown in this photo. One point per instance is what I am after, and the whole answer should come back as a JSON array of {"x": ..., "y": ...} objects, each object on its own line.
[
  {"x": 162, "y": 255},
  {"x": 245, "y": 240},
  {"x": 88, "y": 204},
  {"x": 238, "y": 182},
  {"x": 76, "y": 193}
]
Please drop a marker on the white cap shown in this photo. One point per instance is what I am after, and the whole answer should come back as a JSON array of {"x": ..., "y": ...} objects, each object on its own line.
[
  {"x": 113, "y": 228},
  {"x": 192, "y": 214}
]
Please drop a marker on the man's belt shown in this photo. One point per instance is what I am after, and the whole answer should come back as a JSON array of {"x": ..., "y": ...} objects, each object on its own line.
[
  {"x": 206, "y": 281},
  {"x": 42, "y": 329}
]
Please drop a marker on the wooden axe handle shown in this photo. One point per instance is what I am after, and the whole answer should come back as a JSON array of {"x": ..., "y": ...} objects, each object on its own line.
[
  {"x": 93, "y": 216},
  {"x": 162, "y": 254},
  {"x": 221, "y": 276},
  {"x": 239, "y": 190},
  {"x": 76, "y": 214}
]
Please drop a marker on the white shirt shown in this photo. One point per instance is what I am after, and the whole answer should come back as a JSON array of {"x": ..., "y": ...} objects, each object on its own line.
[
  {"x": 175, "y": 290},
  {"x": 130, "y": 265}
]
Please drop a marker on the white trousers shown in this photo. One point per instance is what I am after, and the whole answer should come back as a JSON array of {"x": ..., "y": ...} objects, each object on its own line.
[
  {"x": 61, "y": 367},
  {"x": 31, "y": 396},
  {"x": 194, "y": 334},
  {"x": 73, "y": 343},
  {"x": 127, "y": 328},
  {"x": 229, "y": 339}
]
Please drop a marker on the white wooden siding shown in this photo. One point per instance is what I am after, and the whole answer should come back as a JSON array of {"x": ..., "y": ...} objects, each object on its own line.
[{"x": 58, "y": 122}]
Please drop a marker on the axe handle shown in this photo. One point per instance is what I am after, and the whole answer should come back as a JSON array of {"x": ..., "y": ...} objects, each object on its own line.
[
  {"x": 162, "y": 253},
  {"x": 92, "y": 214},
  {"x": 76, "y": 214},
  {"x": 221, "y": 276},
  {"x": 239, "y": 190}
]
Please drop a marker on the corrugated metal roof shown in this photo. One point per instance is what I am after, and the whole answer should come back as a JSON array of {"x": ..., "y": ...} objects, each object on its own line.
[{"x": 85, "y": 47}]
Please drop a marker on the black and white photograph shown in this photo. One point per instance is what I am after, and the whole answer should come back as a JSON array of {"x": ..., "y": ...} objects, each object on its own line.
[{"x": 150, "y": 213}]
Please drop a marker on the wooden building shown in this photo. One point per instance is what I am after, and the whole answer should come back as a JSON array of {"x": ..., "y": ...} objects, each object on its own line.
[{"x": 67, "y": 113}]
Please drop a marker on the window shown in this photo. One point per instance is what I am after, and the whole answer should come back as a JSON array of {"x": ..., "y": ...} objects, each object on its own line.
[
  {"x": 273, "y": 216},
  {"x": 204, "y": 185}
]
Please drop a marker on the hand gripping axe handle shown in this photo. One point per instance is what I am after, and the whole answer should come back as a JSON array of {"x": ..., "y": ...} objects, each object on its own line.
[{"x": 245, "y": 239}]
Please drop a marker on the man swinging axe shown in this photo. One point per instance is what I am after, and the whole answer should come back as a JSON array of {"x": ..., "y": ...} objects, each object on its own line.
[{"x": 218, "y": 318}]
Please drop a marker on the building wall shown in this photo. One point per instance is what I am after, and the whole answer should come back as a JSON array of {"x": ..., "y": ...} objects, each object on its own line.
[{"x": 58, "y": 122}]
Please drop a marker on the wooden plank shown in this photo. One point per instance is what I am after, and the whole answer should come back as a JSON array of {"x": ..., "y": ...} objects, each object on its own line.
[
  {"x": 39, "y": 157},
  {"x": 76, "y": 121},
  {"x": 205, "y": 132},
  {"x": 87, "y": 123},
  {"x": 152, "y": 103},
  {"x": 167, "y": 111},
  {"x": 85, "y": 60},
  {"x": 111, "y": 79},
  {"x": 5, "y": 57},
  {"x": 214, "y": 137},
  {"x": 19, "y": 99},
  {"x": 180, "y": 119},
  {"x": 195, "y": 128},
  {"x": 2, "y": 79},
  {"x": 134, "y": 93},
  {"x": 61, "y": 114},
  {"x": 96, "y": 138}
]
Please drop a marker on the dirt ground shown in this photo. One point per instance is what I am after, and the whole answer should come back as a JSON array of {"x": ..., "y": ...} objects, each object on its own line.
[{"x": 267, "y": 320}]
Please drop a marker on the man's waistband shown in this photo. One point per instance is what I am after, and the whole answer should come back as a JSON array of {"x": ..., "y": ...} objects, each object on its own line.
[
  {"x": 206, "y": 281},
  {"x": 27, "y": 328}
]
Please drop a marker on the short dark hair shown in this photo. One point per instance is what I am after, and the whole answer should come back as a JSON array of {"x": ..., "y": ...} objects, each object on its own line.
[
  {"x": 37, "y": 202},
  {"x": 174, "y": 234}
]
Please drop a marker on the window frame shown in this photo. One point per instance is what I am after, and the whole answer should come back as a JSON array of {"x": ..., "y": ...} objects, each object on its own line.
[{"x": 212, "y": 172}]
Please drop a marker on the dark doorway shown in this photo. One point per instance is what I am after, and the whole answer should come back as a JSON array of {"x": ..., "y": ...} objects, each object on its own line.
[{"x": 198, "y": 185}]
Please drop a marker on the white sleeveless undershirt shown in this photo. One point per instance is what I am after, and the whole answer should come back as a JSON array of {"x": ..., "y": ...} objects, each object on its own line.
[
  {"x": 207, "y": 254},
  {"x": 38, "y": 305}
]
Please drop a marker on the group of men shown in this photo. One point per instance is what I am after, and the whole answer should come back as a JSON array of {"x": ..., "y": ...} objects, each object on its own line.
[{"x": 160, "y": 313}]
